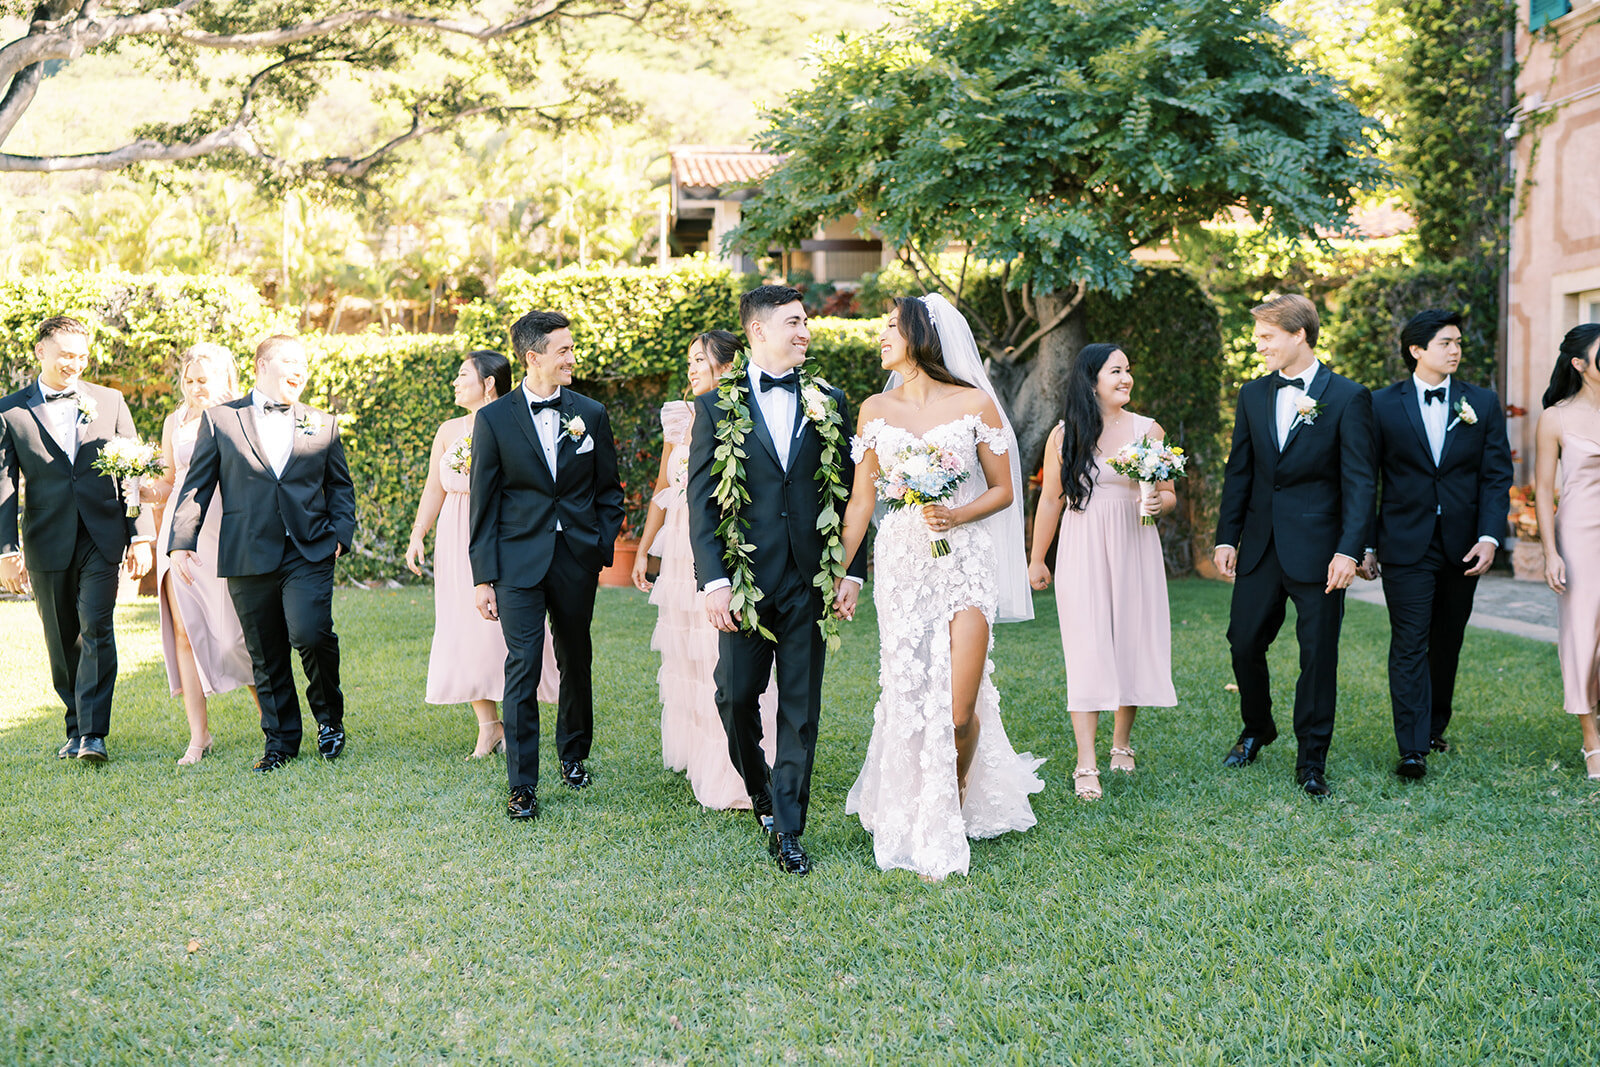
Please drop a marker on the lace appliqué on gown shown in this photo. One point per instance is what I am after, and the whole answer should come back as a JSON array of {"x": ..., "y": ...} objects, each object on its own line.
[{"x": 906, "y": 793}]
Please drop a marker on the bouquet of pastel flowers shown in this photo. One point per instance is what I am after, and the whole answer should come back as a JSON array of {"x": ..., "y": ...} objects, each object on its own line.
[
  {"x": 459, "y": 458},
  {"x": 128, "y": 459},
  {"x": 1148, "y": 462},
  {"x": 921, "y": 474}
]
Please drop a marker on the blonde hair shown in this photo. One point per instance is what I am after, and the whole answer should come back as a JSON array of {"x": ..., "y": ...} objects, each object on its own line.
[
  {"x": 219, "y": 364},
  {"x": 1290, "y": 313}
]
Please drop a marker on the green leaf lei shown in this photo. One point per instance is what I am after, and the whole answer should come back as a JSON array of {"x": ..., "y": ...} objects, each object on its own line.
[{"x": 730, "y": 494}]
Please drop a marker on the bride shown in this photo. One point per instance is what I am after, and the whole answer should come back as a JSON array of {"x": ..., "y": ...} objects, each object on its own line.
[{"x": 939, "y": 767}]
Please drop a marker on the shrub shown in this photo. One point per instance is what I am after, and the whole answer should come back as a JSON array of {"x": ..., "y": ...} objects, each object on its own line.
[
  {"x": 141, "y": 324},
  {"x": 1363, "y": 327}
]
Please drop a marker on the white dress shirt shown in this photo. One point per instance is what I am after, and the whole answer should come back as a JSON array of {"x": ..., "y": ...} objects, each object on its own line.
[
  {"x": 1298, "y": 386},
  {"x": 276, "y": 430},
  {"x": 778, "y": 408},
  {"x": 61, "y": 419},
  {"x": 547, "y": 424},
  {"x": 1435, "y": 416}
]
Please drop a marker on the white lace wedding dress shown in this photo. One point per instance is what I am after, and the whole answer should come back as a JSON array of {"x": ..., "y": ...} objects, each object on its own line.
[{"x": 906, "y": 793}]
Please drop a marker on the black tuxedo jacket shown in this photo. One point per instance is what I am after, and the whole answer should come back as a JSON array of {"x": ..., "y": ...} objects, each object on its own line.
[
  {"x": 1313, "y": 497},
  {"x": 1467, "y": 491},
  {"x": 60, "y": 493},
  {"x": 784, "y": 506},
  {"x": 517, "y": 501},
  {"x": 313, "y": 504}
]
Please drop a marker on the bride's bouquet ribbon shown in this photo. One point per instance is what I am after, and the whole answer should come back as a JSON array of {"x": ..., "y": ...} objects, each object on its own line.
[
  {"x": 1148, "y": 462},
  {"x": 921, "y": 474},
  {"x": 127, "y": 459}
]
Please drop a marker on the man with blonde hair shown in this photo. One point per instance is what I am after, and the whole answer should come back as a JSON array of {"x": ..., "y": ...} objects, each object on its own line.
[{"x": 1297, "y": 498}]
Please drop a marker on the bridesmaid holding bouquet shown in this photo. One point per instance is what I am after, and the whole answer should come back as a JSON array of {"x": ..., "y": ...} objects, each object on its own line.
[
  {"x": 467, "y": 661},
  {"x": 1111, "y": 584}
]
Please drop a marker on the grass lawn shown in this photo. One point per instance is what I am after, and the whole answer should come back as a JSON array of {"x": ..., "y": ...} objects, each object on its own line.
[{"x": 382, "y": 908}]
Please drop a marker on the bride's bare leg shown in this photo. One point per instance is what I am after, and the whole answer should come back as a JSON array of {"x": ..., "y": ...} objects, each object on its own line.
[{"x": 969, "y": 648}]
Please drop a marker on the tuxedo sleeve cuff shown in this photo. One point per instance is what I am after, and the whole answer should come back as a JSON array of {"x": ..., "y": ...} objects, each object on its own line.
[
  {"x": 713, "y": 586},
  {"x": 1495, "y": 541},
  {"x": 852, "y": 578},
  {"x": 1235, "y": 547},
  {"x": 1349, "y": 557}
]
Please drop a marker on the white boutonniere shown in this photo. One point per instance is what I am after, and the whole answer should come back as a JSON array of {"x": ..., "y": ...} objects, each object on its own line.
[
  {"x": 574, "y": 427},
  {"x": 1306, "y": 411},
  {"x": 815, "y": 404},
  {"x": 309, "y": 423},
  {"x": 1464, "y": 413},
  {"x": 88, "y": 410}
]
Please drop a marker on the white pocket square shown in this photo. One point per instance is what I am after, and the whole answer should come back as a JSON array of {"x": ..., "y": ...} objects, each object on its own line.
[{"x": 587, "y": 446}]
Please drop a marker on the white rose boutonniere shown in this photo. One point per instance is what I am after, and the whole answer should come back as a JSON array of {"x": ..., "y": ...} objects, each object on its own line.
[
  {"x": 88, "y": 410},
  {"x": 1464, "y": 413},
  {"x": 309, "y": 423},
  {"x": 575, "y": 428},
  {"x": 1306, "y": 411},
  {"x": 815, "y": 403}
]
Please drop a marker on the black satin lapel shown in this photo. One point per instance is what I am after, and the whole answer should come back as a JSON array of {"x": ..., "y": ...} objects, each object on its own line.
[
  {"x": 1319, "y": 383},
  {"x": 247, "y": 422},
  {"x": 35, "y": 402},
  {"x": 1455, "y": 394},
  {"x": 522, "y": 415},
  {"x": 763, "y": 434},
  {"x": 299, "y": 442},
  {"x": 1408, "y": 400},
  {"x": 1269, "y": 411}
]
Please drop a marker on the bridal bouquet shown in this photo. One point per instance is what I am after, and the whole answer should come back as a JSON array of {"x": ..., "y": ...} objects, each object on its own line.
[
  {"x": 921, "y": 474},
  {"x": 1148, "y": 462},
  {"x": 127, "y": 459}
]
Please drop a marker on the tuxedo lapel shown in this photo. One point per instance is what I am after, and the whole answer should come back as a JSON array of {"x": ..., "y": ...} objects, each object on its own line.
[
  {"x": 1408, "y": 401},
  {"x": 35, "y": 404},
  {"x": 1269, "y": 413},
  {"x": 1319, "y": 383},
  {"x": 566, "y": 447},
  {"x": 522, "y": 415},
  {"x": 247, "y": 425},
  {"x": 1456, "y": 394},
  {"x": 763, "y": 434},
  {"x": 299, "y": 442}
]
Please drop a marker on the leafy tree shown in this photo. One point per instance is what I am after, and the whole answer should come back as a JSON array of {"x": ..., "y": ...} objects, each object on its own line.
[
  {"x": 429, "y": 65},
  {"x": 1055, "y": 137}
]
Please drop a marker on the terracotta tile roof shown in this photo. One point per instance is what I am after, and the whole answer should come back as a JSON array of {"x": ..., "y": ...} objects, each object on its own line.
[{"x": 715, "y": 166}]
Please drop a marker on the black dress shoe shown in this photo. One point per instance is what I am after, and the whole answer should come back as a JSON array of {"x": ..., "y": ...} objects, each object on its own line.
[
  {"x": 92, "y": 749},
  {"x": 761, "y": 806},
  {"x": 1412, "y": 766},
  {"x": 792, "y": 859},
  {"x": 522, "y": 803},
  {"x": 69, "y": 750},
  {"x": 271, "y": 761},
  {"x": 330, "y": 742},
  {"x": 574, "y": 775},
  {"x": 1439, "y": 744},
  {"x": 1245, "y": 750},
  {"x": 1315, "y": 783}
]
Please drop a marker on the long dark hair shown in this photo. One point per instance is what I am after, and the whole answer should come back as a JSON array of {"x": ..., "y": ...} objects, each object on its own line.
[
  {"x": 1082, "y": 423},
  {"x": 1565, "y": 379},
  {"x": 720, "y": 346},
  {"x": 488, "y": 364},
  {"x": 922, "y": 341}
]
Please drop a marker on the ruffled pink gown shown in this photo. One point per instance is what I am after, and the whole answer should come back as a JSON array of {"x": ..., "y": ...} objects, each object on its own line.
[
  {"x": 1111, "y": 596},
  {"x": 692, "y": 735},
  {"x": 468, "y": 660},
  {"x": 1577, "y": 537},
  {"x": 220, "y": 656}
]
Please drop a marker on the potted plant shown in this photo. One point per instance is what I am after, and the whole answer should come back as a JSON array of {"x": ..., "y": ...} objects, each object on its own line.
[{"x": 1527, "y": 553}]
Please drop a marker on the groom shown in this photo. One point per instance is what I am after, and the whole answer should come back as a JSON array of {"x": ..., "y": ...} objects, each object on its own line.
[
  {"x": 290, "y": 512},
  {"x": 1297, "y": 498},
  {"x": 780, "y": 476},
  {"x": 545, "y": 511}
]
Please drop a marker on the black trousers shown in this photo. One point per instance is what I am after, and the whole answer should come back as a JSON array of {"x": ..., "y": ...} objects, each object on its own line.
[
  {"x": 1429, "y": 604},
  {"x": 291, "y": 608},
  {"x": 744, "y": 669},
  {"x": 1254, "y": 618},
  {"x": 566, "y": 596},
  {"x": 76, "y": 607}
]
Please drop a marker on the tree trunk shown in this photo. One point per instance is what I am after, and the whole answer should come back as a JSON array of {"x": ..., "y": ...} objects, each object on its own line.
[{"x": 1032, "y": 390}]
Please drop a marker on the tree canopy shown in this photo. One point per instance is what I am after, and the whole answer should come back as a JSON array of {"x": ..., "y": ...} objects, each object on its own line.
[
  {"x": 429, "y": 64},
  {"x": 1057, "y": 136}
]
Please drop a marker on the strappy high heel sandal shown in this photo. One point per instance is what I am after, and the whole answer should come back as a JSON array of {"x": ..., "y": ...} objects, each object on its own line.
[
  {"x": 1085, "y": 789},
  {"x": 1128, "y": 752},
  {"x": 1587, "y": 756},
  {"x": 194, "y": 754},
  {"x": 498, "y": 746}
]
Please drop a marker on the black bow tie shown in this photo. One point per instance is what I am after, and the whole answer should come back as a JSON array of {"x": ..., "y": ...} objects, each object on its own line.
[
  {"x": 272, "y": 407},
  {"x": 1279, "y": 381},
  {"x": 1430, "y": 395},
  {"x": 65, "y": 394},
  {"x": 545, "y": 405},
  {"x": 790, "y": 381}
]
